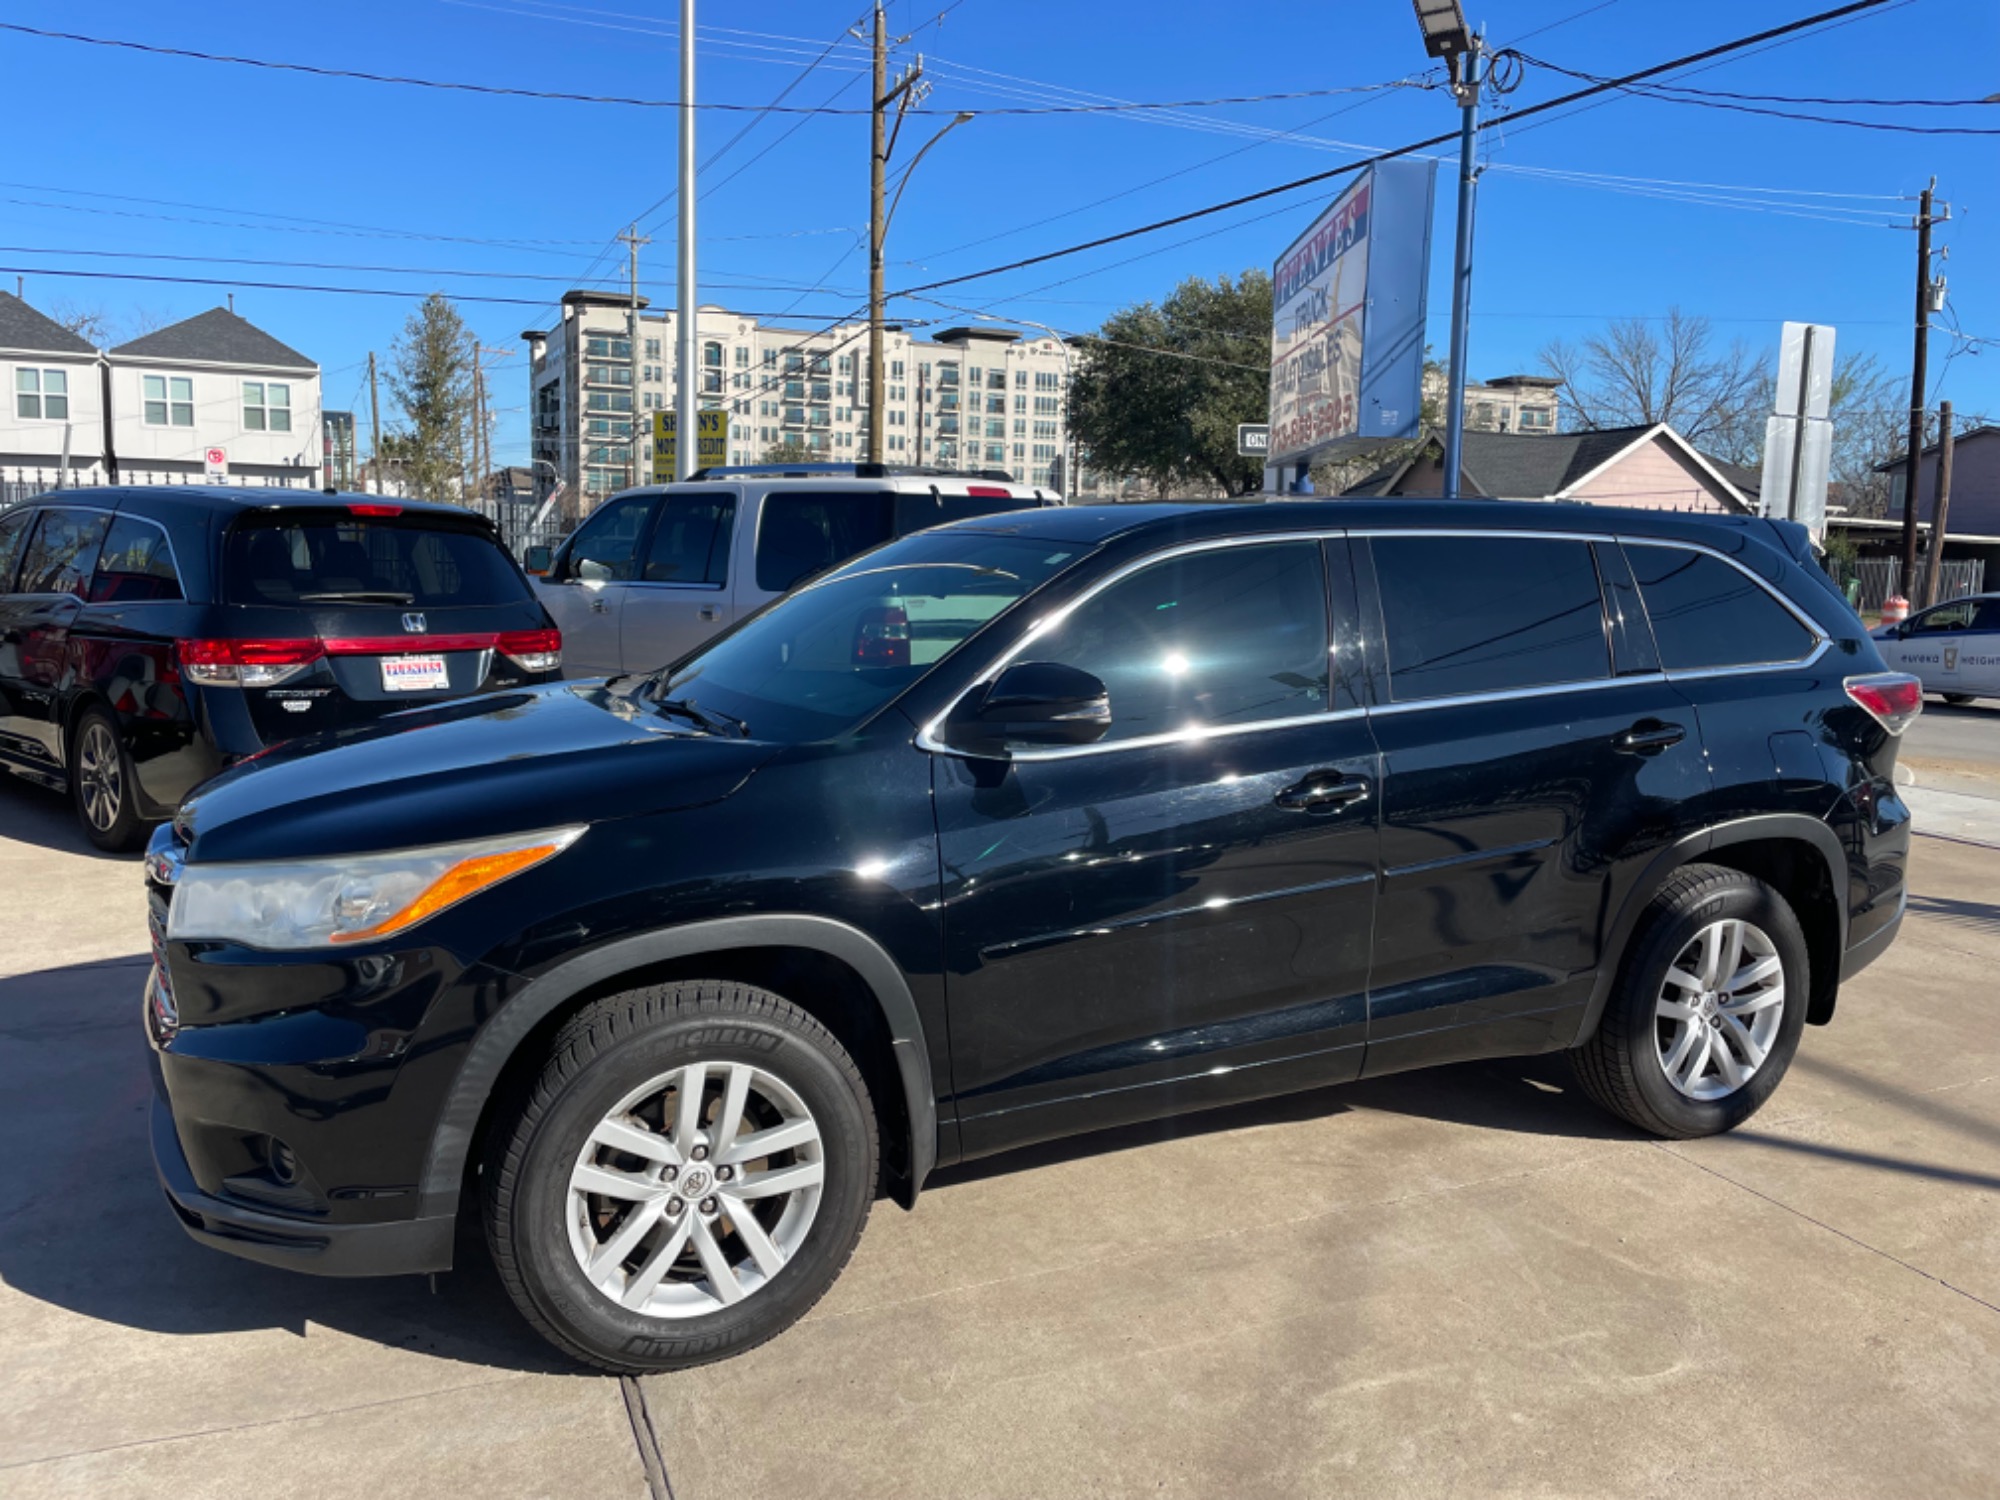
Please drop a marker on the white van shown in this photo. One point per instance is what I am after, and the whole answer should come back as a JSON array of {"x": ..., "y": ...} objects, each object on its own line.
[{"x": 655, "y": 571}]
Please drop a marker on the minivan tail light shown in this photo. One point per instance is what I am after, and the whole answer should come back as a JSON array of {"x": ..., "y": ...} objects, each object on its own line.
[
  {"x": 531, "y": 650},
  {"x": 1892, "y": 699},
  {"x": 226, "y": 663},
  {"x": 882, "y": 639}
]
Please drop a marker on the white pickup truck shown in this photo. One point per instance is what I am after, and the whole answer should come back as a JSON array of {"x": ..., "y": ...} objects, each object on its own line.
[{"x": 654, "y": 571}]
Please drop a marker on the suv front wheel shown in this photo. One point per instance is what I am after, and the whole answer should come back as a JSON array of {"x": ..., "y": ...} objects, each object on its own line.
[
  {"x": 1708, "y": 1009},
  {"x": 685, "y": 1178}
]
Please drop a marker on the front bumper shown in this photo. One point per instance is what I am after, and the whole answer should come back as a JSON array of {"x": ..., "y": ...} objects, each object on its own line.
[{"x": 405, "y": 1248}]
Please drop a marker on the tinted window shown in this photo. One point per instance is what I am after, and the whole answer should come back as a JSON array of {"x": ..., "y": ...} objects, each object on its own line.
[
  {"x": 1488, "y": 614},
  {"x": 802, "y": 534},
  {"x": 1988, "y": 617},
  {"x": 609, "y": 541},
  {"x": 135, "y": 563},
  {"x": 691, "y": 540},
  {"x": 828, "y": 656},
  {"x": 915, "y": 512},
  {"x": 1943, "y": 619},
  {"x": 13, "y": 532},
  {"x": 1707, "y": 613},
  {"x": 1228, "y": 636},
  {"x": 62, "y": 552},
  {"x": 353, "y": 560}
]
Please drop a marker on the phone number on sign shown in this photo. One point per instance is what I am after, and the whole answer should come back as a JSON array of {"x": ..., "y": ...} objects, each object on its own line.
[{"x": 1325, "y": 420}]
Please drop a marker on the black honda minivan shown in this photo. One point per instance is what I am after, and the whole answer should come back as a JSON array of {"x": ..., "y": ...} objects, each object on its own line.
[
  {"x": 151, "y": 636},
  {"x": 1024, "y": 826}
]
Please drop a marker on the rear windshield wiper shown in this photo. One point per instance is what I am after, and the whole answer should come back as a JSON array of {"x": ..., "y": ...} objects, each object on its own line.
[{"x": 358, "y": 596}]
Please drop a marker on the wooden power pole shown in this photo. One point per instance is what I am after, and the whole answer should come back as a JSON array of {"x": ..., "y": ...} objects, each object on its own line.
[
  {"x": 1940, "y": 507},
  {"x": 882, "y": 142},
  {"x": 374, "y": 425},
  {"x": 633, "y": 240},
  {"x": 1906, "y": 585}
]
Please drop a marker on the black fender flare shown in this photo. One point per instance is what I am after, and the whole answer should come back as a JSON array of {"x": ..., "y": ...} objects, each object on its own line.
[
  {"x": 1689, "y": 849},
  {"x": 499, "y": 1039}
]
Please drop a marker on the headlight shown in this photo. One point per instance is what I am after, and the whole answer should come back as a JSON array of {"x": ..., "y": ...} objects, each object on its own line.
[{"x": 348, "y": 899}]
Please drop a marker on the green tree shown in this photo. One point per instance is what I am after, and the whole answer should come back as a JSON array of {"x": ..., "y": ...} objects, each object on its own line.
[
  {"x": 788, "y": 451},
  {"x": 430, "y": 377},
  {"x": 1162, "y": 388}
]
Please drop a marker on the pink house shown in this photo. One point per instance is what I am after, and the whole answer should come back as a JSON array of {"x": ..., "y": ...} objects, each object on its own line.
[{"x": 1649, "y": 468}]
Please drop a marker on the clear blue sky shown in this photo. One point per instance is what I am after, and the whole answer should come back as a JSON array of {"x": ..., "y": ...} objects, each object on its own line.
[{"x": 205, "y": 160}]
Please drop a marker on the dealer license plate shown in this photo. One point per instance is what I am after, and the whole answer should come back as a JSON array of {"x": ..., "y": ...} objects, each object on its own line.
[{"x": 413, "y": 674}]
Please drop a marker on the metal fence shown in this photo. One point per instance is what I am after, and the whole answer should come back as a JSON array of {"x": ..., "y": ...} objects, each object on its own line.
[
  {"x": 1880, "y": 576},
  {"x": 21, "y": 484}
]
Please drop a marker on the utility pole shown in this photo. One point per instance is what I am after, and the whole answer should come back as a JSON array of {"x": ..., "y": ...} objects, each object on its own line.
[
  {"x": 1466, "y": 88},
  {"x": 1911, "y": 462},
  {"x": 687, "y": 365},
  {"x": 881, "y": 144},
  {"x": 478, "y": 424},
  {"x": 374, "y": 425},
  {"x": 1940, "y": 507},
  {"x": 633, "y": 240}
]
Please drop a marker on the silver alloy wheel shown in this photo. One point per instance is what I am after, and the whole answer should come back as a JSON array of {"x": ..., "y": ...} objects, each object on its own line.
[
  {"x": 1719, "y": 1009},
  {"x": 695, "y": 1190},
  {"x": 100, "y": 776}
]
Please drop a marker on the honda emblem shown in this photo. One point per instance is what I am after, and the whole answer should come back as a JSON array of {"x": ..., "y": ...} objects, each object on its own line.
[{"x": 414, "y": 623}]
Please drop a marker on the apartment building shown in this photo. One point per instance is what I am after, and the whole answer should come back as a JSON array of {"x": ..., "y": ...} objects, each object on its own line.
[
  {"x": 965, "y": 398},
  {"x": 1506, "y": 403},
  {"x": 153, "y": 409}
]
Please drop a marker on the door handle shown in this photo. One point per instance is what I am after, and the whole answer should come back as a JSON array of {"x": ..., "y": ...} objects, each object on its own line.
[
  {"x": 1647, "y": 736},
  {"x": 599, "y": 607},
  {"x": 710, "y": 612},
  {"x": 1323, "y": 791}
]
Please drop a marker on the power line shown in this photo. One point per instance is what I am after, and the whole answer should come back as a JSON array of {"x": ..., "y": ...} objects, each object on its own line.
[{"x": 1605, "y": 86}]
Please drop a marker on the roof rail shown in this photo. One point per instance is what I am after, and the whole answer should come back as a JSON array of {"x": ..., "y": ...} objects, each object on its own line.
[{"x": 809, "y": 470}]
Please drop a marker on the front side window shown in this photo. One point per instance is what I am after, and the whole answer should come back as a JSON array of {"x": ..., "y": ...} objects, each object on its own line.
[
  {"x": 169, "y": 400},
  {"x": 267, "y": 406},
  {"x": 1707, "y": 613},
  {"x": 134, "y": 565},
  {"x": 63, "y": 552},
  {"x": 1488, "y": 614},
  {"x": 691, "y": 540},
  {"x": 41, "y": 395},
  {"x": 606, "y": 546},
  {"x": 1232, "y": 635}
]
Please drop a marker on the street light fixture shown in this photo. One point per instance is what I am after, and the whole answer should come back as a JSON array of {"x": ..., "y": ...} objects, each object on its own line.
[
  {"x": 963, "y": 117},
  {"x": 1445, "y": 36},
  {"x": 1443, "y": 24}
]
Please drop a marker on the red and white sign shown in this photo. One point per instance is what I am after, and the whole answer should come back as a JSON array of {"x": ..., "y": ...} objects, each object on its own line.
[{"x": 216, "y": 461}]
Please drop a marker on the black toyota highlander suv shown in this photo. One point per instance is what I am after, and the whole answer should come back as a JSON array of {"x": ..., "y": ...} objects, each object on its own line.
[
  {"x": 1024, "y": 826},
  {"x": 150, "y": 636}
]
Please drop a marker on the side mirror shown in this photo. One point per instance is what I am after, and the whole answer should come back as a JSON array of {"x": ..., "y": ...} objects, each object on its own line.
[
  {"x": 538, "y": 561},
  {"x": 1032, "y": 703},
  {"x": 590, "y": 570}
]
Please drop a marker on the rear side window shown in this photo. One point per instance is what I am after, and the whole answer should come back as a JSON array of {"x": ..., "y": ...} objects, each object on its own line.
[
  {"x": 915, "y": 512},
  {"x": 691, "y": 540},
  {"x": 62, "y": 552},
  {"x": 314, "y": 560},
  {"x": 800, "y": 534},
  {"x": 134, "y": 565},
  {"x": 1488, "y": 614},
  {"x": 1709, "y": 613},
  {"x": 1233, "y": 635},
  {"x": 13, "y": 532},
  {"x": 1988, "y": 617}
]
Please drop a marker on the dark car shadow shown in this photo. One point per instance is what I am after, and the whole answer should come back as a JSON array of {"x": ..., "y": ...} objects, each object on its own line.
[
  {"x": 31, "y": 814},
  {"x": 84, "y": 1227}
]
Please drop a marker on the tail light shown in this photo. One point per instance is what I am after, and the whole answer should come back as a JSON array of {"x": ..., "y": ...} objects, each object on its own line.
[
  {"x": 531, "y": 650},
  {"x": 1892, "y": 699},
  {"x": 375, "y": 510},
  {"x": 988, "y": 492},
  {"x": 246, "y": 663},
  {"x": 882, "y": 639}
]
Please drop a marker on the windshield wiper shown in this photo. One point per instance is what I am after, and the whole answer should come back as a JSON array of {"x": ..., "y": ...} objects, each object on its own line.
[
  {"x": 358, "y": 596},
  {"x": 713, "y": 720}
]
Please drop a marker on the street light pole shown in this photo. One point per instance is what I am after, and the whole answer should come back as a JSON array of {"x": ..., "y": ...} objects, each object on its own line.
[
  {"x": 687, "y": 346},
  {"x": 1467, "y": 90}
]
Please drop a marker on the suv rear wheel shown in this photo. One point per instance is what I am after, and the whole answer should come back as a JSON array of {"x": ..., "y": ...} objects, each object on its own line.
[
  {"x": 1708, "y": 1009},
  {"x": 685, "y": 1178}
]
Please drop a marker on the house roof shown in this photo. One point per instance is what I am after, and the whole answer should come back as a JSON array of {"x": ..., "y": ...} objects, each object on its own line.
[
  {"x": 1959, "y": 440},
  {"x": 1529, "y": 466},
  {"x": 21, "y": 327},
  {"x": 217, "y": 336}
]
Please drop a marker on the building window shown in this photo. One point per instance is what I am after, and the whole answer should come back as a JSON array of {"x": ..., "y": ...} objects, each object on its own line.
[
  {"x": 42, "y": 395},
  {"x": 1045, "y": 406},
  {"x": 1536, "y": 417},
  {"x": 652, "y": 348},
  {"x": 1020, "y": 380},
  {"x": 267, "y": 406},
  {"x": 1047, "y": 380},
  {"x": 742, "y": 356},
  {"x": 169, "y": 400},
  {"x": 770, "y": 357}
]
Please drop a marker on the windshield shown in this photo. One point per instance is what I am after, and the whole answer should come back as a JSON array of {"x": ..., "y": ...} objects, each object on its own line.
[{"x": 823, "y": 659}]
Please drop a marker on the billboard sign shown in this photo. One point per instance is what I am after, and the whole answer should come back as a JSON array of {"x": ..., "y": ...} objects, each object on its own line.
[
  {"x": 1348, "y": 330},
  {"x": 711, "y": 442}
]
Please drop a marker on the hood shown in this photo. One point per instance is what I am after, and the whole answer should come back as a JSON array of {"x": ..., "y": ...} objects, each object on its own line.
[{"x": 480, "y": 768}]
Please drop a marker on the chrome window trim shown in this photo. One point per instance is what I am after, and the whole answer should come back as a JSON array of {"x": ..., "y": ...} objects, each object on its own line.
[
  {"x": 1507, "y": 695},
  {"x": 166, "y": 536}
]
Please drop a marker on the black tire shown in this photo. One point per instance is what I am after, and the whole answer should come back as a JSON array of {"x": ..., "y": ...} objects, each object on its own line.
[
  {"x": 1619, "y": 1065},
  {"x": 1957, "y": 700},
  {"x": 607, "y": 1050},
  {"x": 101, "y": 786}
]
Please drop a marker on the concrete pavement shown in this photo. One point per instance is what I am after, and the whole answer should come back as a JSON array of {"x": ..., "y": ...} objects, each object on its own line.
[{"x": 1462, "y": 1281}]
